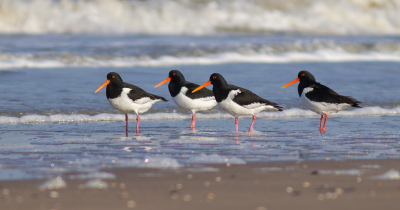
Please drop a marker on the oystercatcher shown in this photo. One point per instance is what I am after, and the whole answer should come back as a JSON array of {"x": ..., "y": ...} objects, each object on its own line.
[
  {"x": 128, "y": 98},
  {"x": 320, "y": 98},
  {"x": 236, "y": 100},
  {"x": 181, "y": 92}
]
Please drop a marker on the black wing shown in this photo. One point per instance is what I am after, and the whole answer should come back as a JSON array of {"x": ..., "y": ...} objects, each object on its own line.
[
  {"x": 322, "y": 93},
  {"x": 138, "y": 93},
  {"x": 246, "y": 97},
  {"x": 202, "y": 93}
]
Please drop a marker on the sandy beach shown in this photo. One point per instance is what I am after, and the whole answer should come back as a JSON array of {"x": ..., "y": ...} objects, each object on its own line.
[{"x": 327, "y": 184}]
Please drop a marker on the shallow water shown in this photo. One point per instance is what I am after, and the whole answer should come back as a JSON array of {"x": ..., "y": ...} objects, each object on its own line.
[{"x": 50, "y": 149}]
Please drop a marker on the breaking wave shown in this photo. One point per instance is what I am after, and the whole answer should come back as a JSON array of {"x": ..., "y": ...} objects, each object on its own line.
[
  {"x": 200, "y": 17},
  {"x": 293, "y": 112},
  {"x": 8, "y": 61}
]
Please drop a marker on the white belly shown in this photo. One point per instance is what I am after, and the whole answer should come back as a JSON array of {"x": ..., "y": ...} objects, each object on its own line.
[
  {"x": 193, "y": 105},
  {"x": 126, "y": 105},
  {"x": 235, "y": 109},
  {"x": 321, "y": 107}
]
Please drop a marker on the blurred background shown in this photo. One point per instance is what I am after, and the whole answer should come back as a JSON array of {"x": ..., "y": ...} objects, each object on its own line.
[{"x": 200, "y": 17}]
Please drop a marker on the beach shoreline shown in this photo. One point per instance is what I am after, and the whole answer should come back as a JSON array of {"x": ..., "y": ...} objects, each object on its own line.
[{"x": 324, "y": 184}]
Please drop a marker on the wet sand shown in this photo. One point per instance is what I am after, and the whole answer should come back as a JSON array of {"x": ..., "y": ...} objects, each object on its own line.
[{"x": 307, "y": 185}]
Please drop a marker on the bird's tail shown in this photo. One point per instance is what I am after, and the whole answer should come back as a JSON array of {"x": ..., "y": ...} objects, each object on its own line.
[{"x": 356, "y": 104}]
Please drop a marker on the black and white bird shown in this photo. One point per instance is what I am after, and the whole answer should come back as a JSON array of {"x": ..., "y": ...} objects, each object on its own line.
[
  {"x": 320, "y": 98},
  {"x": 181, "y": 92},
  {"x": 238, "y": 101},
  {"x": 128, "y": 98}
]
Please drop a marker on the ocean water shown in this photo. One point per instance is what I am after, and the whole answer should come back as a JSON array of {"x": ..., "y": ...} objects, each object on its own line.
[{"x": 53, "y": 58}]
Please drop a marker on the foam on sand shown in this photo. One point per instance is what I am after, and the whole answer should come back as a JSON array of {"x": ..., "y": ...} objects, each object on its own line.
[
  {"x": 96, "y": 175},
  {"x": 392, "y": 174},
  {"x": 96, "y": 184},
  {"x": 154, "y": 162},
  {"x": 53, "y": 184},
  {"x": 350, "y": 172},
  {"x": 215, "y": 159}
]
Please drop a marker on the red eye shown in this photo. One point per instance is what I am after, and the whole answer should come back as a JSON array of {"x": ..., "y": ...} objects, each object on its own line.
[
  {"x": 214, "y": 77},
  {"x": 113, "y": 77},
  {"x": 174, "y": 74},
  {"x": 302, "y": 75}
]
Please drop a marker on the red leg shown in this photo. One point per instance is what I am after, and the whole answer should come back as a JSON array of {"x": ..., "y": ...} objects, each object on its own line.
[
  {"x": 237, "y": 125},
  {"x": 126, "y": 130},
  {"x": 193, "y": 121},
  {"x": 323, "y": 128},
  {"x": 252, "y": 123},
  {"x": 320, "y": 123},
  {"x": 137, "y": 123}
]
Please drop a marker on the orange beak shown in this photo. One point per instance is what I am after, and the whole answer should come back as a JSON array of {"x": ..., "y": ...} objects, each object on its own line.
[
  {"x": 104, "y": 84},
  {"x": 291, "y": 83},
  {"x": 163, "y": 82},
  {"x": 202, "y": 86}
]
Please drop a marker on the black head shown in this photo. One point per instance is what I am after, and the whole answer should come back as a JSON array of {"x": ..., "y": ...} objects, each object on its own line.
[
  {"x": 176, "y": 76},
  {"x": 305, "y": 76},
  {"x": 114, "y": 77},
  {"x": 217, "y": 80}
]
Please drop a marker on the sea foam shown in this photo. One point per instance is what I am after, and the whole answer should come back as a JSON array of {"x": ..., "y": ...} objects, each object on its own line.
[
  {"x": 293, "y": 112},
  {"x": 322, "y": 55},
  {"x": 200, "y": 17}
]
